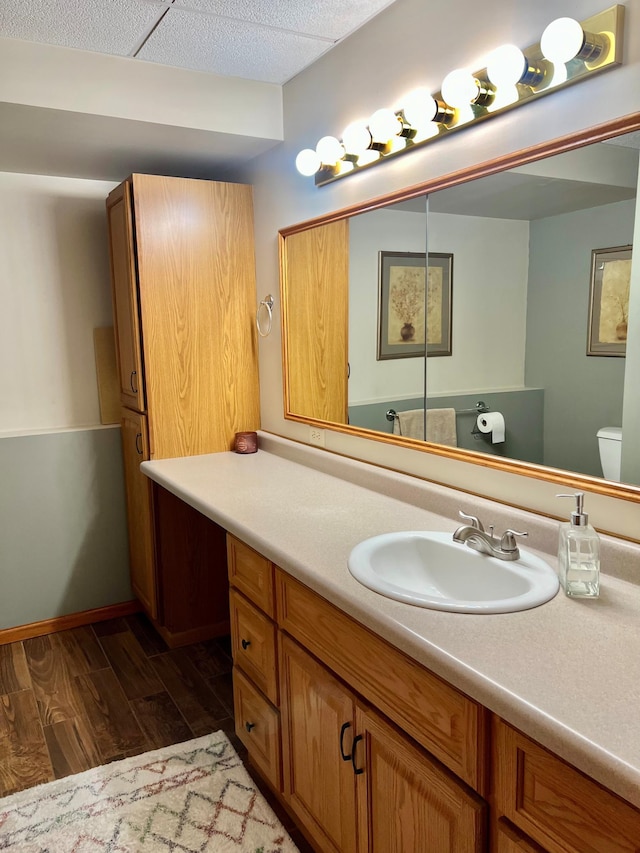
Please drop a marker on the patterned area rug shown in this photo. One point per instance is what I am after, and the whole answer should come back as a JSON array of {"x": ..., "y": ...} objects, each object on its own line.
[{"x": 194, "y": 796}]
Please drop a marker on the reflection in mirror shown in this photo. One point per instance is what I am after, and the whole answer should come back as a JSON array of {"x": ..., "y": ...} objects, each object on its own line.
[
  {"x": 527, "y": 274},
  {"x": 523, "y": 243},
  {"x": 387, "y": 369}
]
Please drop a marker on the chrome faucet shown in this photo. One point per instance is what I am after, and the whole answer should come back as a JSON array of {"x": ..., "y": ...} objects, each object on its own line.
[{"x": 475, "y": 536}]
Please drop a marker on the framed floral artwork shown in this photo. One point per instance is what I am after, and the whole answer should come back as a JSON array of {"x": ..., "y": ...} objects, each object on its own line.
[
  {"x": 406, "y": 311},
  {"x": 609, "y": 301}
]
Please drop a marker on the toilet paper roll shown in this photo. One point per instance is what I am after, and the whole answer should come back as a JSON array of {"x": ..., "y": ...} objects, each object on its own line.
[{"x": 492, "y": 422}]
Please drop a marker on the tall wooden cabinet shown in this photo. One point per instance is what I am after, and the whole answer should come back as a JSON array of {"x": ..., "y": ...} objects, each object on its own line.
[{"x": 183, "y": 283}]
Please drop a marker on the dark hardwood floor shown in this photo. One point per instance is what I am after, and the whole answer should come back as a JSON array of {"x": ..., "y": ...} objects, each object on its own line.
[{"x": 80, "y": 698}]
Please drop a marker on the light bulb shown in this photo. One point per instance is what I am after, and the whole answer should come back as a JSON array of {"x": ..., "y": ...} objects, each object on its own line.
[
  {"x": 384, "y": 125},
  {"x": 506, "y": 65},
  {"x": 367, "y": 157},
  {"x": 394, "y": 145},
  {"x": 459, "y": 88},
  {"x": 562, "y": 40},
  {"x": 558, "y": 76},
  {"x": 505, "y": 96},
  {"x": 428, "y": 131},
  {"x": 356, "y": 138},
  {"x": 463, "y": 115},
  {"x": 345, "y": 166},
  {"x": 308, "y": 162},
  {"x": 419, "y": 109},
  {"x": 329, "y": 150}
]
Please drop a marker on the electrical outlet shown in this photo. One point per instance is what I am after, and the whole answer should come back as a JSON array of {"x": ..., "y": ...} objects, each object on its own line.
[{"x": 316, "y": 436}]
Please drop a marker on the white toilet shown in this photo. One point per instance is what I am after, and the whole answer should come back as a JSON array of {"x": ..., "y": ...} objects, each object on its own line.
[{"x": 610, "y": 444}]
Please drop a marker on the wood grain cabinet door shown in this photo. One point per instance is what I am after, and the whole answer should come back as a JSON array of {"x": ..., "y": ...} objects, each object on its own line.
[
  {"x": 315, "y": 330},
  {"x": 554, "y": 803},
  {"x": 139, "y": 510},
  {"x": 317, "y": 720},
  {"x": 125, "y": 297},
  {"x": 408, "y": 802},
  {"x": 196, "y": 274}
]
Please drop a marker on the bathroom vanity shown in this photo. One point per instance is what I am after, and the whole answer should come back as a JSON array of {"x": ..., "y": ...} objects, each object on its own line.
[{"x": 384, "y": 724}]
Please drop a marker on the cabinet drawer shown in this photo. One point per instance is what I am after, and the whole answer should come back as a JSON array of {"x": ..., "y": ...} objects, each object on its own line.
[
  {"x": 258, "y": 727},
  {"x": 555, "y": 804},
  {"x": 253, "y": 644},
  {"x": 443, "y": 720},
  {"x": 251, "y": 573}
]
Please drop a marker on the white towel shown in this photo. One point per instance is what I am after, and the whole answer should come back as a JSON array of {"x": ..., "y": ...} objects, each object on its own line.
[
  {"x": 441, "y": 425},
  {"x": 410, "y": 424}
]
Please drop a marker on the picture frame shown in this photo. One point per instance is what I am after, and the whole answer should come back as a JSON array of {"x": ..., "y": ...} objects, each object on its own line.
[
  {"x": 402, "y": 301},
  {"x": 609, "y": 301}
]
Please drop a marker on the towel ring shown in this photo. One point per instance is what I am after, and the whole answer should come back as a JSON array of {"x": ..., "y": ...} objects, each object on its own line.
[{"x": 266, "y": 303}]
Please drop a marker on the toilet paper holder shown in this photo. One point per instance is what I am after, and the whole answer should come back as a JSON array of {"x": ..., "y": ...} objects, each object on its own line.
[{"x": 489, "y": 433}]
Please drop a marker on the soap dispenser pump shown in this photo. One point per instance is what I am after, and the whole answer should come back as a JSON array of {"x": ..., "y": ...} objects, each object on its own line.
[{"x": 579, "y": 553}]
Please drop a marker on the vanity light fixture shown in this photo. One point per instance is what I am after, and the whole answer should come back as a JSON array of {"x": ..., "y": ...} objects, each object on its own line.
[{"x": 569, "y": 51}]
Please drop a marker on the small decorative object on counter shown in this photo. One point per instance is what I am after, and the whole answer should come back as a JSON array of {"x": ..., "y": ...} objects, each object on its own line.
[
  {"x": 579, "y": 553},
  {"x": 246, "y": 442}
]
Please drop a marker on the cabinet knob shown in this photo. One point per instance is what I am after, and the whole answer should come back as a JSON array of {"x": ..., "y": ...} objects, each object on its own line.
[
  {"x": 249, "y": 726},
  {"x": 133, "y": 382},
  {"x": 245, "y": 643}
]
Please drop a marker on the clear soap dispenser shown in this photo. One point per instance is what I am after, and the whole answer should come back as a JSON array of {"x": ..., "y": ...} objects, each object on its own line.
[{"x": 579, "y": 553}]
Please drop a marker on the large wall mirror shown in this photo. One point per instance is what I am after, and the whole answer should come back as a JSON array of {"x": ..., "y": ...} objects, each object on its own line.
[{"x": 517, "y": 277}]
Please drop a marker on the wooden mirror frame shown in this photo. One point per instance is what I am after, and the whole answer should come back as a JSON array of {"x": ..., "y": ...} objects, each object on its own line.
[{"x": 599, "y": 133}]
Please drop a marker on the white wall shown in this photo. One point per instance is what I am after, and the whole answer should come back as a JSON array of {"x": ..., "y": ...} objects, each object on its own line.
[
  {"x": 371, "y": 380},
  {"x": 54, "y": 289},
  {"x": 63, "y": 536},
  {"x": 490, "y": 271},
  {"x": 420, "y": 43}
]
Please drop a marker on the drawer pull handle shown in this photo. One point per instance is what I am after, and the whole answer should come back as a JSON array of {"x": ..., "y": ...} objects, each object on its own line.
[
  {"x": 346, "y": 756},
  {"x": 139, "y": 443},
  {"x": 249, "y": 726},
  {"x": 357, "y": 770},
  {"x": 245, "y": 643},
  {"x": 133, "y": 382}
]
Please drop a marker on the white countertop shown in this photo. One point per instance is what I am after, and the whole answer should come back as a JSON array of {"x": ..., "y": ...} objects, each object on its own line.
[{"x": 566, "y": 673}]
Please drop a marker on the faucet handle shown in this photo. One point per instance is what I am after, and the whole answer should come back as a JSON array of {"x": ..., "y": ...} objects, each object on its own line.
[
  {"x": 508, "y": 541},
  {"x": 472, "y": 519}
]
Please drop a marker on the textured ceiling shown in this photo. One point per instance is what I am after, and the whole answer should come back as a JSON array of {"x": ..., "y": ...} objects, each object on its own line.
[{"x": 266, "y": 40}]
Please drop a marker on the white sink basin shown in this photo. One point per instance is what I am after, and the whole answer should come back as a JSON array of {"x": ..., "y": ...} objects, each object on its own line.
[{"x": 431, "y": 570}]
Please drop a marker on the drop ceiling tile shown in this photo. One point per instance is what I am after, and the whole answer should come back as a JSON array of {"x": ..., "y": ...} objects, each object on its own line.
[
  {"x": 331, "y": 19},
  {"x": 230, "y": 48},
  {"x": 114, "y": 27}
]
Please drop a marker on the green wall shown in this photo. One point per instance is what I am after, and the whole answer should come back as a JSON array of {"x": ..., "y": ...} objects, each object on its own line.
[{"x": 582, "y": 393}]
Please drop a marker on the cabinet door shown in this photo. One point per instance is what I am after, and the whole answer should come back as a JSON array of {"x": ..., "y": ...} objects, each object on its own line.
[
  {"x": 509, "y": 840},
  {"x": 315, "y": 332},
  {"x": 125, "y": 297},
  {"x": 553, "y": 803},
  {"x": 408, "y": 802},
  {"x": 139, "y": 510},
  {"x": 196, "y": 273},
  {"x": 317, "y": 713}
]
